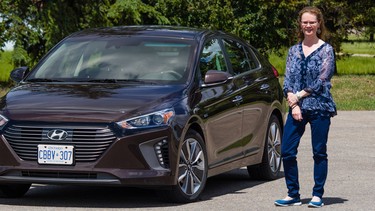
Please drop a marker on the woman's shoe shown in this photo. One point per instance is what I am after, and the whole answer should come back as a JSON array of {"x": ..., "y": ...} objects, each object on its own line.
[
  {"x": 291, "y": 202},
  {"x": 316, "y": 204}
]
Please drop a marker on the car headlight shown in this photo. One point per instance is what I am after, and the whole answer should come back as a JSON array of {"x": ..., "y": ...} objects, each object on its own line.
[
  {"x": 155, "y": 119},
  {"x": 3, "y": 121}
]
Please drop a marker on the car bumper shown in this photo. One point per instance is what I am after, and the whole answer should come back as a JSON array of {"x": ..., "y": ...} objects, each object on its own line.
[{"x": 129, "y": 161}]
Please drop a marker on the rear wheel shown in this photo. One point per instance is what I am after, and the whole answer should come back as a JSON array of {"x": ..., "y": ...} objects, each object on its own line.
[
  {"x": 269, "y": 169},
  {"x": 192, "y": 169},
  {"x": 14, "y": 190}
]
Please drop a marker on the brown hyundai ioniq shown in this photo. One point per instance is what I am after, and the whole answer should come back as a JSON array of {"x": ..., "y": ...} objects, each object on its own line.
[{"x": 144, "y": 106}]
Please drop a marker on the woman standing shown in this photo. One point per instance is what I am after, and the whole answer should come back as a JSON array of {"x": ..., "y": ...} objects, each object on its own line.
[{"x": 310, "y": 66}]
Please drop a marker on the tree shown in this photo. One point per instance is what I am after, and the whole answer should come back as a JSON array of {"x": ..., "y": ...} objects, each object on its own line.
[
  {"x": 363, "y": 20},
  {"x": 265, "y": 24},
  {"x": 269, "y": 25},
  {"x": 38, "y": 25},
  {"x": 133, "y": 12}
]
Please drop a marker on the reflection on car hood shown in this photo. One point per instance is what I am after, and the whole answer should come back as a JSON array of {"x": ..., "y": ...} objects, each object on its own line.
[{"x": 86, "y": 102}]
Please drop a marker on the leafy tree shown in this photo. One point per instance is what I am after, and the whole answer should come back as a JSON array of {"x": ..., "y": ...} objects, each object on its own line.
[
  {"x": 263, "y": 23},
  {"x": 133, "y": 12},
  {"x": 363, "y": 13},
  {"x": 36, "y": 25}
]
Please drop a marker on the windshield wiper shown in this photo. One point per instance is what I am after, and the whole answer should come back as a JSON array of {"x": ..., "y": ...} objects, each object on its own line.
[
  {"x": 102, "y": 80},
  {"x": 137, "y": 81},
  {"x": 120, "y": 81},
  {"x": 42, "y": 80}
]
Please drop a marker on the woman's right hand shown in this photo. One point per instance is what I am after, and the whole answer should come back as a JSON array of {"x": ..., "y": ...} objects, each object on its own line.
[{"x": 292, "y": 99}]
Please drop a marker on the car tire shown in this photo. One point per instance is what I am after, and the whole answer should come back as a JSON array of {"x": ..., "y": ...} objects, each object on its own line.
[
  {"x": 191, "y": 171},
  {"x": 14, "y": 190},
  {"x": 269, "y": 169}
]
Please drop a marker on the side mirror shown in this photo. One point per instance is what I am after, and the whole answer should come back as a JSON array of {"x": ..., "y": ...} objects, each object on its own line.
[
  {"x": 19, "y": 73},
  {"x": 214, "y": 77}
]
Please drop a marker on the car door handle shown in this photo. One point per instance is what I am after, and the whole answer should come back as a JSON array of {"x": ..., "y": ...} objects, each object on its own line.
[{"x": 237, "y": 99}]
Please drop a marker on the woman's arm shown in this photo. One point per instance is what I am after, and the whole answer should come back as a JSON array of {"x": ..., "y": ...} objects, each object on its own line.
[
  {"x": 326, "y": 72},
  {"x": 287, "y": 87}
]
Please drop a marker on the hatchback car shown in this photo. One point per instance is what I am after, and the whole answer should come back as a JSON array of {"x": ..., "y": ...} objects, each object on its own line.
[{"x": 144, "y": 106}]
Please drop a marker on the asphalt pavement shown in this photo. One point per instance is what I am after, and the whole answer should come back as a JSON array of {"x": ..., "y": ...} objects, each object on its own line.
[{"x": 350, "y": 184}]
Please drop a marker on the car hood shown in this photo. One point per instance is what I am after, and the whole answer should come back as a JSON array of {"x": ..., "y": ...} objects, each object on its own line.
[{"x": 86, "y": 102}]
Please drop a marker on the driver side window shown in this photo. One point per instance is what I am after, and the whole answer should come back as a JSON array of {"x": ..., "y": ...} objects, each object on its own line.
[{"x": 212, "y": 58}]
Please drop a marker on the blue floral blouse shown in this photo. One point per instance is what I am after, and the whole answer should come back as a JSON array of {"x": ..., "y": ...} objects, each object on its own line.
[{"x": 312, "y": 74}]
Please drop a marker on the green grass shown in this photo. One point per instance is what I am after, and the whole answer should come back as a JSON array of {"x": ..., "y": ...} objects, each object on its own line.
[
  {"x": 5, "y": 65},
  {"x": 346, "y": 65},
  {"x": 356, "y": 65},
  {"x": 357, "y": 37},
  {"x": 279, "y": 62},
  {"x": 352, "y": 92},
  {"x": 358, "y": 47}
]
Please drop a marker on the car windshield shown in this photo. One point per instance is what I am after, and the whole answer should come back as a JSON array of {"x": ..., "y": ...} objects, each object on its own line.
[{"x": 116, "y": 59}]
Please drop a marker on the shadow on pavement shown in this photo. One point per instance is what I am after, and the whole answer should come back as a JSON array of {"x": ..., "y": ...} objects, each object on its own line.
[
  {"x": 327, "y": 200},
  {"x": 124, "y": 197}
]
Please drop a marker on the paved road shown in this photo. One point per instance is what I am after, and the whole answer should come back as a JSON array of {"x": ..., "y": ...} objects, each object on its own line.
[{"x": 350, "y": 184}]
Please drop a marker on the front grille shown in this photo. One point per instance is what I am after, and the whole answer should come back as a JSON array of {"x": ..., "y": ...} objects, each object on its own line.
[{"x": 89, "y": 142}]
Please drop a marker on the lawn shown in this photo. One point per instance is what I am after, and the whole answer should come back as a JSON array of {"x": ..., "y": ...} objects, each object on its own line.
[
  {"x": 346, "y": 65},
  {"x": 353, "y": 92},
  {"x": 358, "y": 47},
  {"x": 354, "y": 84},
  {"x": 5, "y": 65},
  {"x": 356, "y": 65}
]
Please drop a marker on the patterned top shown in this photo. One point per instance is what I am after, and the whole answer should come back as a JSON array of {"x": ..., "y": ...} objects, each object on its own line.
[{"x": 312, "y": 74}]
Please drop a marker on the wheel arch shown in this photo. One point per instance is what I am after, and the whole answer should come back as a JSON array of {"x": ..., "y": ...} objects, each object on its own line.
[
  {"x": 279, "y": 115},
  {"x": 195, "y": 126}
]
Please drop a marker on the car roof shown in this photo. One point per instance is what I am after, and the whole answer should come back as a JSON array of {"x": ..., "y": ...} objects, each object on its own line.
[{"x": 145, "y": 30}]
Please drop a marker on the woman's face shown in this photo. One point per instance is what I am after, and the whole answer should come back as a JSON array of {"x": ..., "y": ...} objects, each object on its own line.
[{"x": 309, "y": 24}]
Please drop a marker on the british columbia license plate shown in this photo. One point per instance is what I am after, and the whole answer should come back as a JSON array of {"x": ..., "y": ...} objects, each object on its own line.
[{"x": 55, "y": 154}]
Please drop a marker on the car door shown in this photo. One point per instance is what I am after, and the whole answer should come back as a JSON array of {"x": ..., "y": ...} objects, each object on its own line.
[
  {"x": 249, "y": 81},
  {"x": 219, "y": 109}
]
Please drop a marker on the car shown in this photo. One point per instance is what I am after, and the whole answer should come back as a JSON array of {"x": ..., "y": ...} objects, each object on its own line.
[{"x": 161, "y": 107}]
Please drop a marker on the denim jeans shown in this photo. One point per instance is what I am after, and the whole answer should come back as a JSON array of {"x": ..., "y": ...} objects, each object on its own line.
[{"x": 289, "y": 147}]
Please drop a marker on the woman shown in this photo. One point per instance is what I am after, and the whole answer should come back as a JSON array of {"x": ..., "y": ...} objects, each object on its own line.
[{"x": 310, "y": 66}]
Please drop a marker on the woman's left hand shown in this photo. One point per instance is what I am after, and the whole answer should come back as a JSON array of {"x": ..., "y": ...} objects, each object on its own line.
[{"x": 296, "y": 113}]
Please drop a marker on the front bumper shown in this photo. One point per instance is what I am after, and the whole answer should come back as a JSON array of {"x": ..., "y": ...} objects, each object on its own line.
[{"x": 129, "y": 161}]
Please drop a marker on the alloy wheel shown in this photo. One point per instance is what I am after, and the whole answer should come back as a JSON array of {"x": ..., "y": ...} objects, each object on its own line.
[
  {"x": 274, "y": 147},
  {"x": 192, "y": 167}
]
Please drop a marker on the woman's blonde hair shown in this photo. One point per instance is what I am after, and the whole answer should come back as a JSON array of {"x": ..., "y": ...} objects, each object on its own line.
[{"x": 322, "y": 32}]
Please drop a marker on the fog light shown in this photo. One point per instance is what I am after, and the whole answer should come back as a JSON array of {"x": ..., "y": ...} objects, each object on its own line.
[{"x": 161, "y": 151}]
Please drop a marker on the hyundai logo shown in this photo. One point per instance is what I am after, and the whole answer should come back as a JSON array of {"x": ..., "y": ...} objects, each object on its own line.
[{"x": 57, "y": 135}]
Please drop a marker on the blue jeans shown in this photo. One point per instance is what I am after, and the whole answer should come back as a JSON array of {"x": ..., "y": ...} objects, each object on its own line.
[{"x": 292, "y": 135}]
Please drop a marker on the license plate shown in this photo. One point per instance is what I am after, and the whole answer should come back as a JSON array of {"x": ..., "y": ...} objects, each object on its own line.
[{"x": 55, "y": 154}]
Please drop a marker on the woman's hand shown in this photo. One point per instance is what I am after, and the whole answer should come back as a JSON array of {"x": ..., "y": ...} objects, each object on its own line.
[
  {"x": 292, "y": 99},
  {"x": 296, "y": 113}
]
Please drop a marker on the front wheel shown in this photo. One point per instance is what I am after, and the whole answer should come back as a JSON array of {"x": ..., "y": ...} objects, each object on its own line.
[
  {"x": 269, "y": 169},
  {"x": 192, "y": 169},
  {"x": 14, "y": 190}
]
